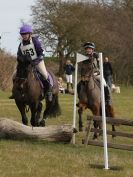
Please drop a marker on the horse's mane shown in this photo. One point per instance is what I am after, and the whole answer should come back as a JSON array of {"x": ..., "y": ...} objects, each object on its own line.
[{"x": 24, "y": 62}]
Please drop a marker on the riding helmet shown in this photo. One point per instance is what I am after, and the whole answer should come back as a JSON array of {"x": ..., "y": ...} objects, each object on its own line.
[
  {"x": 25, "y": 29},
  {"x": 89, "y": 45}
]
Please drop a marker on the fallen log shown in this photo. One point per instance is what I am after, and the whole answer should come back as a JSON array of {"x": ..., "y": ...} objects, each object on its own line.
[{"x": 14, "y": 130}]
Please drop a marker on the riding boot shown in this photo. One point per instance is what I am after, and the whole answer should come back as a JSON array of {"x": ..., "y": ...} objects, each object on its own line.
[
  {"x": 49, "y": 93},
  {"x": 107, "y": 96}
]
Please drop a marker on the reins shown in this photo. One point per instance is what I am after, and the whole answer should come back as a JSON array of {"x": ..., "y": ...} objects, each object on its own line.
[{"x": 21, "y": 78}]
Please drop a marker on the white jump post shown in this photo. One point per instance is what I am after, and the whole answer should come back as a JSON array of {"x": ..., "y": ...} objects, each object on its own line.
[
  {"x": 103, "y": 114},
  {"x": 79, "y": 58},
  {"x": 75, "y": 96}
]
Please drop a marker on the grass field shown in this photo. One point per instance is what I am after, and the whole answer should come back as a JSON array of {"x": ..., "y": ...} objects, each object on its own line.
[{"x": 47, "y": 159}]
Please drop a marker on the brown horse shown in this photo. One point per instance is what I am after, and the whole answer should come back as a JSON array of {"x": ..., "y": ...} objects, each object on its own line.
[
  {"x": 28, "y": 92},
  {"x": 90, "y": 96}
]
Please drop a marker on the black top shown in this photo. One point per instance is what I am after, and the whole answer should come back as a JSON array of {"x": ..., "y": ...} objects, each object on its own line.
[
  {"x": 69, "y": 68},
  {"x": 107, "y": 69}
]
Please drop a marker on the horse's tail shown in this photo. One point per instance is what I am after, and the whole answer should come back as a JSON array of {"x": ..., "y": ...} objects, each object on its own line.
[
  {"x": 56, "y": 110},
  {"x": 52, "y": 108}
]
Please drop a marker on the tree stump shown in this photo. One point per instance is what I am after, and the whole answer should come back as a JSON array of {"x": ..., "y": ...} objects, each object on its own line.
[{"x": 14, "y": 130}]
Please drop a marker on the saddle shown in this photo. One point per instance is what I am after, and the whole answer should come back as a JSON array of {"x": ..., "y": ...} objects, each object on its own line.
[{"x": 43, "y": 82}]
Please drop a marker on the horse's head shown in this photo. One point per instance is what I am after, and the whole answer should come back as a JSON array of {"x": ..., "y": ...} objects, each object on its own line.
[
  {"x": 24, "y": 62},
  {"x": 87, "y": 70}
]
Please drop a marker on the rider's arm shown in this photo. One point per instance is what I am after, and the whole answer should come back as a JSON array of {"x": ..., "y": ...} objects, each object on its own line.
[
  {"x": 38, "y": 48},
  {"x": 39, "y": 51}
]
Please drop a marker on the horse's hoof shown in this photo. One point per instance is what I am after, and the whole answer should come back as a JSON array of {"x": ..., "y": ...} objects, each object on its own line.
[
  {"x": 11, "y": 97},
  {"x": 25, "y": 122},
  {"x": 42, "y": 123},
  {"x": 33, "y": 123}
]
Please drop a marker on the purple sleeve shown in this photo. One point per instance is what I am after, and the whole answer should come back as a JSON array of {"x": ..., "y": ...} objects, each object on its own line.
[{"x": 38, "y": 47}]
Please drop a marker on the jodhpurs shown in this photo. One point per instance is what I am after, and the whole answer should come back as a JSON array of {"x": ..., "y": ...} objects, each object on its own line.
[{"x": 42, "y": 69}]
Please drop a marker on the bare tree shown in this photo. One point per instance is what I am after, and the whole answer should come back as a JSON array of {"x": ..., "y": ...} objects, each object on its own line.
[{"x": 61, "y": 26}]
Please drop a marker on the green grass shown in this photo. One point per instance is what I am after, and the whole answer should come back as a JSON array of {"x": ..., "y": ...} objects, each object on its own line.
[{"x": 47, "y": 159}]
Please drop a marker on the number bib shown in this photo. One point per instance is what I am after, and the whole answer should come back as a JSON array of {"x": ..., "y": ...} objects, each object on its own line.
[{"x": 29, "y": 49}]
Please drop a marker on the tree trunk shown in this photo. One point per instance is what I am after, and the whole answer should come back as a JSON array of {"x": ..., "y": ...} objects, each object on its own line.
[
  {"x": 15, "y": 130},
  {"x": 62, "y": 61}
]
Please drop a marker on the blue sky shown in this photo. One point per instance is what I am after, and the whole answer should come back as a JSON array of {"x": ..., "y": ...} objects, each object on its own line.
[{"x": 11, "y": 14}]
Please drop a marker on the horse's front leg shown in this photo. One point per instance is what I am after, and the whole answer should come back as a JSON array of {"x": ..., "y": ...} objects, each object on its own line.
[
  {"x": 80, "y": 112},
  {"x": 39, "y": 110},
  {"x": 33, "y": 108},
  {"x": 21, "y": 107},
  {"x": 96, "y": 127},
  {"x": 96, "y": 112}
]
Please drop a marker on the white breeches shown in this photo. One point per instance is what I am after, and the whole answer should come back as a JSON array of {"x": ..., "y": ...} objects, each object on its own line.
[
  {"x": 98, "y": 78},
  {"x": 69, "y": 78},
  {"x": 42, "y": 69}
]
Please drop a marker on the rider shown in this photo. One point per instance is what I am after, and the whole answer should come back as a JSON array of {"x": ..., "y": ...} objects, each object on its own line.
[
  {"x": 89, "y": 48},
  {"x": 30, "y": 45}
]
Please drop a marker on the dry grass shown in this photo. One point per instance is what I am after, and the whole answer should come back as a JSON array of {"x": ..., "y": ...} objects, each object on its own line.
[{"x": 7, "y": 66}]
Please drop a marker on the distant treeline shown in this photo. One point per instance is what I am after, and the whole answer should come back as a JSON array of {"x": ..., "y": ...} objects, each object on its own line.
[{"x": 66, "y": 25}]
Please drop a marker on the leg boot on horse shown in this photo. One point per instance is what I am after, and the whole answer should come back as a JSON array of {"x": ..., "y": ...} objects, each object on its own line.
[{"x": 108, "y": 106}]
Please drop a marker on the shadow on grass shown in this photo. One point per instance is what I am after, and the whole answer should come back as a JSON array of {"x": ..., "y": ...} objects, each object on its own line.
[{"x": 113, "y": 168}]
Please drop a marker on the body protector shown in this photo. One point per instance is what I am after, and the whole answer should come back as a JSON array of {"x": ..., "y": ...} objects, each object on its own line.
[{"x": 29, "y": 49}]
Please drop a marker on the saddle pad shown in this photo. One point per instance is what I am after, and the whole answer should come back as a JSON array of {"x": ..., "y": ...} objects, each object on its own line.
[
  {"x": 50, "y": 78},
  {"x": 41, "y": 79}
]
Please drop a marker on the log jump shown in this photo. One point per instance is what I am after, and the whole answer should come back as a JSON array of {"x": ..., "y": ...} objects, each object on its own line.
[{"x": 14, "y": 130}]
